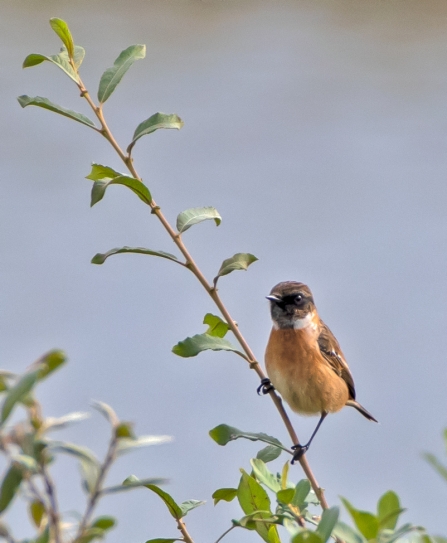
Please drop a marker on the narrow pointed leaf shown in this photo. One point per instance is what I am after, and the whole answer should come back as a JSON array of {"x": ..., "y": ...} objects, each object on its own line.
[
  {"x": 89, "y": 474},
  {"x": 37, "y": 512},
  {"x": 127, "y": 444},
  {"x": 28, "y": 463},
  {"x": 104, "y": 523},
  {"x": 264, "y": 475},
  {"x": 302, "y": 490},
  {"x": 225, "y": 494},
  {"x": 367, "y": 523},
  {"x": 10, "y": 485},
  {"x": 61, "y": 28},
  {"x": 388, "y": 510},
  {"x": 61, "y": 61},
  {"x": 100, "y": 258},
  {"x": 216, "y": 326},
  {"x": 107, "y": 412},
  {"x": 136, "y": 186},
  {"x": 50, "y": 362},
  {"x": 74, "y": 450},
  {"x": 192, "y": 216},
  {"x": 436, "y": 464},
  {"x": 16, "y": 393},
  {"x": 169, "y": 501},
  {"x": 161, "y": 540},
  {"x": 347, "y": 534},
  {"x": 112, "y": 76},
  {"x": 223, "y": 434},
  {"x": 253, "y": 498},
  {"x": 327, "y": 523},
  {"x": 189, "y": 505},
  {"x": 78, "y": 56},
  {"x": 240, "y": 261},
  {"x": 44, "y": 103},
  {"x": 155, "y": 122},
  {"x": 131, "y": 483},
  {"x": 192, "y": 346}
]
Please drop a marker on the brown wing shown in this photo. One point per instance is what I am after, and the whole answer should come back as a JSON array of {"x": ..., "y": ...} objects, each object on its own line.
[{"x": 330, "y": 349}]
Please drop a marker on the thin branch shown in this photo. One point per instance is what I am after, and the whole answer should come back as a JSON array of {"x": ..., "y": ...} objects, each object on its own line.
[
  {"x": 191, "y": 265},
  {"x": 53, "y": 512},
  {"x": 225, "y": 533},
  {"x": 182, "y": 527}
]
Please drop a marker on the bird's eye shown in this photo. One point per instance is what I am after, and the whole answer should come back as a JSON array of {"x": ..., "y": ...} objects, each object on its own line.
[{"x": 298, "y": 298}]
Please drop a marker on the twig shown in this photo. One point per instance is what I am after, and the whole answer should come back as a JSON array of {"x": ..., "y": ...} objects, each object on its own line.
[
  {"x": 182, "y": 527},
  {"x": 191, "y": 264},
  {"x": 225, "y": 533},
  {"x": 53, "y": 512}
]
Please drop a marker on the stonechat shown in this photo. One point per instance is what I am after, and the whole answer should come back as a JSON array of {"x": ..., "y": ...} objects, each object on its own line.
[{"x": 303, "y": 359}]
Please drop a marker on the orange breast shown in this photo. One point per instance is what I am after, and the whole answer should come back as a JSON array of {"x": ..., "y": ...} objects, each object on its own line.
[{"x": 301, "y": 375}]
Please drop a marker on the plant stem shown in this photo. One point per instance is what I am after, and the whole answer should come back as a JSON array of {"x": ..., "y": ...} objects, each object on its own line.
[
  {"x": 94, "y": 496},
  {"x": 212, "y": 291},
  {"x": 182, "y": 527},
  {"x": 53, "y": 509},
  {"x": 225, "y": 533}
]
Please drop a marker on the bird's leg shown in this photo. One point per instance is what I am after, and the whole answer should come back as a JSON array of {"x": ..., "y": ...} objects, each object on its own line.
[
  {"x": 301, "y": 449},
  {"x": 265, "y": 387}
]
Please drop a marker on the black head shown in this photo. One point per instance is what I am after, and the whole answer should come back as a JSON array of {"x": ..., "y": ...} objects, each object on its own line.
[{"x": 289, "y": 302}]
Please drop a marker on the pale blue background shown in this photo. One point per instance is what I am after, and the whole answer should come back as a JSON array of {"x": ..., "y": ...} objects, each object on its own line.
[{"x": 319, "y": 131}]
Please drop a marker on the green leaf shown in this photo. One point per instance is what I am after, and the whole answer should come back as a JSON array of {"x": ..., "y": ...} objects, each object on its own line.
[
  {"x": 131, "y": 483},
  {"x": 155, "y": 122},
  {"x": 240, "y": 261},
  {"x": 37, "y": 512},
  {"x": 112, "y": 76},
  {"x": 225, "y": 494},
  {"x": 188, "y": 505},
  {"x": 61, "y": 61},
  {"x": 327, "y": 523},
  {"x": 102, "y": 173},
  {"x": 104, "y": 523},
  {"x": 50, "y": 362},
  {"x": 10, "y": 485},
  {"x": 367, "y": 523},
  {"x": 125, "y": 430},
  {"x": 264, "y": 475},
  {"x": 78, "y": 57},
  {"x": 39, "y": 101},
  {"x": 252, "y": 497},
  {"x": 216, "y": 326},
  {"x": 128, "y": 444},
  {"x": 285, "y": 495},
  {"x": 436, "y": 464},
  {"x": 44, "y": 537},
  {"x": 107, "y": 412},
  {"x": 25, "y": 461},
  {"x": 269, "y": 453},
  {"x": 62, "y": 30},
  {"x": 18, "y": 392},
  {"x": 388, "y": 510},
  {"x": 100, "y": 258},
  {"x": 272, "y": 534},
  {"x": 302, "y": 490},
  {"x": 169, "y": 501},
  {"x": 192, "y": 346},
  {"x": 135, "y": 185},
  {"x": 347, "y": 534},
  {"x": 223, "y": 434},
  {"x": 306, "y": 536},
  {"x": 52, "y": 423},
  {"x": 192, "y": 216}
]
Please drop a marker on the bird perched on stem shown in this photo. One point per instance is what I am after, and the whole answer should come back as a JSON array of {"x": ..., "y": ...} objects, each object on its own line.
[{"x": 303, "y": 359}]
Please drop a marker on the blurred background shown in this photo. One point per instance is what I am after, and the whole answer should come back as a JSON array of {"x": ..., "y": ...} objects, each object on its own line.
[{"x": 319, "y": 132}]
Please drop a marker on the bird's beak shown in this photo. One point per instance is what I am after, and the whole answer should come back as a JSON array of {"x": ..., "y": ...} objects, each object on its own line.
[{"x": 272, "y": 298}]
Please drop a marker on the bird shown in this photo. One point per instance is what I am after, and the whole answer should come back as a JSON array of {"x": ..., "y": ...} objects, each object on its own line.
[{"x": 304, "y": 361}]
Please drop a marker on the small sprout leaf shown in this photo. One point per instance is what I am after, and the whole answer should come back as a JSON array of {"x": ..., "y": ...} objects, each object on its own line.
[
  {"x": 37, "y": 512},
  {"x": 52, "y": 423},
  {"x": 39, "y": 101},
  {"x": 128, "y": 444},
  {"x": 216, "y": 326},
  {"x": 225, "y": 494},
  {"x": 61, "y": 28},
  {"x": 112, "y": 76},
  {"x": 104, "y": 523},
  {"x": 188, "y": 505},
  {"x": 155, "y": 122},
  {"x": 240, "y": 261},
  {"x": 50, "y": 362},
  {"x": 107, "y": 412},
  {"x": 192, "y": 346},
  {"x": 192, "y": 216},
  {"x": 100, "y": 258},
  {"x": 135, "y": 185}
]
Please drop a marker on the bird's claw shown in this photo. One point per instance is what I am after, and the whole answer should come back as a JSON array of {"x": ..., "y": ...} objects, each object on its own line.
[
  {"x": 299, "y": 451},
  {"x": 265, "y": 387}
]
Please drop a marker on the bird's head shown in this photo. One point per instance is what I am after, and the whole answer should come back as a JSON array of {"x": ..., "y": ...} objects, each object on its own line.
[{"x": 291, "y": 305}]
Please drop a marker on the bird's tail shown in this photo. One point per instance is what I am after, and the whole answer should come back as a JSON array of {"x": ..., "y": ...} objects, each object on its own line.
[{"x": 361, "y": 410}]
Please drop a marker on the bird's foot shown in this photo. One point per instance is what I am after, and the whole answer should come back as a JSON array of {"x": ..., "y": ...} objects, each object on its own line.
[
  {"x": 265, "y": 387},
  {"x": 299, "y": 451}
]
